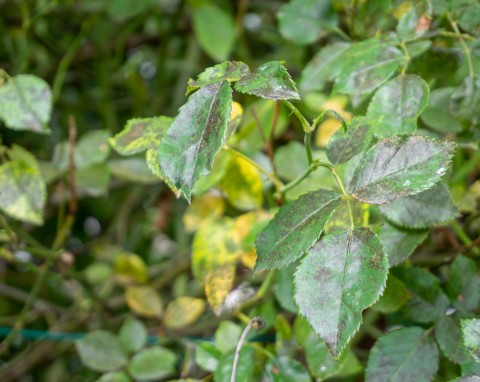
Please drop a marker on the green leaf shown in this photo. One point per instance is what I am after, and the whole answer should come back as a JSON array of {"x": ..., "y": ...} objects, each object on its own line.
[
  {"x": 245, "y": 366},
  {"x": 153, "y": 363},
  {"x": 92, "y": 148},
  {"x": 101, "y": 351},
  {"x": 133, "y": 335},
  {"x": 449, "y": 339},
  {"x": 133, "y": 170},
  {"x": 430, "y": 207},
  {"x": 465, "y": 101},
  {"x": 323, "y": 67},
  {"x": 23, "y": 194},
  {"x": 320, "y": 362},
  {"x": 294, "y": 229},
  {"x": 463, "y": 283},
  {"x": 343, "y": 146},
  {"x": 93, "y": 180},
  {"x": 437, "y": 114},
  {"x": 123, "y": 9},
  {"x": 283, "y": 288},
  {"x": 340, "y": 277},
  {"x": 470, "y": 378},
  {"x": 471, "y": 336},
  {"x": 227, "y": 336},
  {"x": 407, "y": 354},
  {"x": 114, "y": 376},
  {"x": 271, "y": 81},
  {"x": 285, "y": 369},
  {"x": 26, "y": 104},
  {"x": 195, "y": 136},
  {"x": 395, "y": 107},
  {"x": 207, "y": 355},
  {"x": 407, "y": 25},
  {"x": 140, "y": 134},
  {"x": 428, "y": 302},
  {"x": 367, "y": 65},
  {"x": 305, "y": 21},
  {"x": 214, "y": 29},
  {"x": 151, "y": 158},
  {"x": 399, "y": 242},
  {"x": 230, "y": 71},
  {"x": 400, "y": 166},
  {"x": 394, "y": 297}
]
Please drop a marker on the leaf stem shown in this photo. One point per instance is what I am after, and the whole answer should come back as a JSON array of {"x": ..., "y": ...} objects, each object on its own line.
[
  {"x": 466, "y": 49},
  {"x": 464, "y": 237},
  {"x": 345, "y": 194},
  {"x": 277, "y": 182},
  {"x": 308, "y": 147},
  {"x": 313, "y": 166},
  {"x": 408, "y": 58},
  {"x": 305, "y": 125}
]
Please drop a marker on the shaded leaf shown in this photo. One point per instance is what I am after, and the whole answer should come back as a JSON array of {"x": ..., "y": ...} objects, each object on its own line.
[
  {"x": 343, "y": 274},
  {"x": 283, "y": 288},
  {"x": 196, "y": 135},
  {"x": 207, "y": 355},
  {"x": 285, "y": 369},
  {"x": 449, "y": 339},
  {"x": 400, "y": 243},
  {"x": 131, "y": 267},
  {"x": 394, "y": 297},
  {"x": 294, "y": 229},
  {"x": 183, "y": 311},
  {"x": 407, "y": 354},
  {"x": 140, "y": 134},
  {"x": 153, "y": 363},
  {"x": 227, "y": 336},
  {"x": 26, "y": 104},
  {"x": 437, "y": 114},
  {"x": 271, "y": 81},
  {"x": 463, "y": 283},
  {"x": 366, "y": 65},
  {"x": 92, "y": 148},
  {"x": 304, "y": 21},
  {"x": 465, "y": 101},
  {"x": 395, "y": 107},
  {"x": 144, "y": 301},
  {"x": 133, "y": 170},
  {"x": 92, "y": 180},
  {"x": 400, "y": 166},
  {"x": 430, "y": 207},
  {"x": 100, "y": 350},
  {"x": 133, "y": 335},
  {"x": 343, "y": 146},
  {"x": 471, "y": 336},
  {"x": 245, "y": 366},
  {"x": 114, "y": 376}
]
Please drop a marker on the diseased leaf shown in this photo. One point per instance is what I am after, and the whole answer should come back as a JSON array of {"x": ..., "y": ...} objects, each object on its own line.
[
  {"x": 92, "y": 148},
  {"x": 407, "y": 354},
  {"x": 207, "y": 355},
  {"x": 151, "y": 157},
  {"x": 101, "y": 351},
  {"x": 470, "y": 378},
  {"x": 144, "y": 301},
  {"x": 133, "y": 170},
  {"x": 196, "y": 135},
  {"x": 437, "y": 114},
  {"x": 323, "y": 67},
  {"x": 399, "y": 242},
  {"x": 465, "y": 101},
  {"x": 131, "y": 267},
  {"x": 140, "y": 134},
  {"x": 430, "y": 207},
  {"x": 286, "y": 369},
  {"x": 230, "y": 71},
  {"x": 151, "y": 364},
  {"x": 26, "y": 104},
  {"x": 218, "y": 283},
  {"x": 304, "y": 21},
  {"x": 366, "y": 65},
  {"x": 245, "y": 368},
  {"x": 183, "y": 311},
  {"x": 214, "y": 29},
  {"x": 320, "y": 362},
  {"x": 92, "y": 180},
  {"x": 395, "y": 107},
  {"x": 449, "y": 339},
  {"x": 343, "y": 146},
  {"x": 428, "y": 302},
  {"x": 23, "y": 193},
  {"x": 203, "y": 208},
  {"x": 340, "y": 277},
  {"x": 471, "y": 336},
  {"x": 294, "y": 229},
  {"x": 407, "y": 25},
  {"x": 463, "y": 284},
  {"x": 271, "y": 81},
  {"x": 394, "y": 297},
  {"x": 283, "y": 288},
  {"x": 400, "y": 166}
]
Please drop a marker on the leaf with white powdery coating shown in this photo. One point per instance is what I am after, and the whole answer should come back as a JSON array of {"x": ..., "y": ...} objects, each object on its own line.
[
  {"x": 407, "y": 354},
  {"x": 471, "y": 336},
  {"x": 341, "y": 276},
  {"x": 430, "y": 207},
  {"x": 196, "y": 135},
  {"x": 26, "y": 104},
  {"x": 400, "y": 166},
  {"x": 271, "y": 81},
  {"x": 395, "y": 107},
  {"x": 294, "y": 229},
  {"x": 343, "y": 146}
]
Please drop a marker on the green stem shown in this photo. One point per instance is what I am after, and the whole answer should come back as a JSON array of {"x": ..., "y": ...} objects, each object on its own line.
[
  {"x": 408, "y": 58},
  {"x": 466, "y": 49},
  {"x": 277, "y": 182},
  {"x": 305, "y": 125},
  {"x": 304, "y": 174},
  {"x": 463, "y": 237},
  {"x": 333, "y": 114},
  {"x": 345, "y": 194},
  {"x": 308, "y": 147}
]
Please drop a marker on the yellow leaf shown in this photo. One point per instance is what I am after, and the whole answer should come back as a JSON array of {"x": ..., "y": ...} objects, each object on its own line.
[
  {"x": 249, "y": 258},
  {"x": 203, "y": 208},
  {"x": 130, "y": 267},
  {"x": 144, "y": 301},
  {"x": 236, "y": 115},
  {"x": 328, "y": 127},
  {"x": 340, "y": 219},
  {"x": 242, "y": 184},
  {"x": 218, "y": 283},
  {"x": 183, "y": 311}
]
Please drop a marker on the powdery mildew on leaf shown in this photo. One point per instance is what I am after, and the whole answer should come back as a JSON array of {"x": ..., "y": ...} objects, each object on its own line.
[
  {"x": 400, "y": 166},
  {"x": 471, "y": 336},
  {"x": 196, "y": 135},
  {"x": 271, "y": 81},
  {"x": 294, "y": 229},
  {"x": 341, "y": 276}
]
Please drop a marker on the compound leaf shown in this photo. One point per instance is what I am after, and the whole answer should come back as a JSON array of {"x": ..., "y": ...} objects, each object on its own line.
[
  {"x": 271, "y": 81},
  {"x": 294, "y": 229},
  {"x": 196, "y": 135},
  {"x": 407, "y": 354},
  {"x": 400, "y": 166},
  {"x": 340, "y": 277}
]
